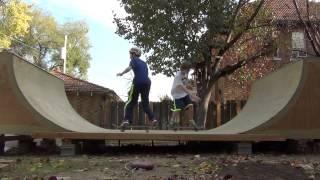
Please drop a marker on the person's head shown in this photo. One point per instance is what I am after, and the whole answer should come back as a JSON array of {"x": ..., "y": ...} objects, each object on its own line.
[
  {"x": 134, "y": 52},
  {"x": 185, "y": 67}
]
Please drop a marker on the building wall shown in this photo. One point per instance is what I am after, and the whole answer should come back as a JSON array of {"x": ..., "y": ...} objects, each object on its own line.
[
  {"x": 230, "y": 90},
  {"x": 93, "y": 107}
]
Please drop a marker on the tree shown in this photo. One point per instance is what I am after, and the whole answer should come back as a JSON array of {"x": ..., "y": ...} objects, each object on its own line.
[
  {"x": 308, "y": 15},
  {"x": 43, "y": 43},
  {"x": 219, "y": 37},
  {"x": 78, "y": 57},
  {"x": 14, "y": 21}
]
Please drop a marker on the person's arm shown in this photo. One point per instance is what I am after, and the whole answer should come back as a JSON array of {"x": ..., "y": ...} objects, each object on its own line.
[
  {"x": 125, "y": 71},
  {"x": 185, "y": 89}
]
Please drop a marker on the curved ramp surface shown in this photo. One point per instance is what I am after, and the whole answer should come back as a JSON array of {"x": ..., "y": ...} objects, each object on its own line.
[
  {"x": 268, "y": 97},
  {"x": 34, "y": 100},
  {"x": 283, "y": 104}
]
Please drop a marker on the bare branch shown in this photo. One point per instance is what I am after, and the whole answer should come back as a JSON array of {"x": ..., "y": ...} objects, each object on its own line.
[
  {"x": 232, "y": 68},
  {"x": 234, "y": 19},
  {"x": 237, "y": 37},
  {"x": 311, "y": 25},
  {"x": 308, "y": 9},
  {"x": 311, "y": 37},
  {"x": 247, "y": 26}
]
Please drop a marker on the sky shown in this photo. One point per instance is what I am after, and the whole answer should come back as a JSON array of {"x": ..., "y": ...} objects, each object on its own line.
[{"x": 109, "y": 51}]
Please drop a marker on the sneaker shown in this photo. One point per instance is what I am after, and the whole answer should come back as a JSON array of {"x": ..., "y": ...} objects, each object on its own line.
[
  {"x": 124, "y": 125},
  {"x": 151, "y": 124},
  {"x": 194, "y": 125},
  {"x": 154, "y": 123}
]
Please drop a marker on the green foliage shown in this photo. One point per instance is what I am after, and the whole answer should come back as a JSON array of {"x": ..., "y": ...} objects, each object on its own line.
[
  {"x": 78, "y": 57},
  {"x": 218, "y": 37},
  {"x": 43, "y": 43},
  {"x": 174, "y": 31},
  {"x": 14, "y": 21}
]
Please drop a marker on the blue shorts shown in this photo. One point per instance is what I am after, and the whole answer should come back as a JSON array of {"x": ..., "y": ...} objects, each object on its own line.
[{"x": 180, "y": 104}]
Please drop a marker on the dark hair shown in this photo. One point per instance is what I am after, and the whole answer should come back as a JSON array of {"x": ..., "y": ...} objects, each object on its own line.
[{"x": 185, "y": 66}]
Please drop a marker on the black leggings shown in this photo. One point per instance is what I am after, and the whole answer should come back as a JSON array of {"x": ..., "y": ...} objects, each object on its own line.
[{"x": 134, "y": 92}]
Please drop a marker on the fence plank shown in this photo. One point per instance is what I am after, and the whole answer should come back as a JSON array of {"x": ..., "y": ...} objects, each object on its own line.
[
  {"x": 214, "y": 115},
  {"x": 225, "y": 113},
  {"x": 141, "y": 118},
  {"x": 209, "y": 121},
  {"x": 243, "y": 103},
  {"x": 218, "y": 114},
  {"x": 135, "y": 117},
  {"x": 233, "y": 109},
  {"x": 156, "y": 111},
  {"x": 238, "y": 106},
  {"x": 165, "y": 114},
  {"x": 120, "y": 112}
]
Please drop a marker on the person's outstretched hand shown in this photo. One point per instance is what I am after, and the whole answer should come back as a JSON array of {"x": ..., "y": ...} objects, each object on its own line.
[{"x": 119, "y": 74}]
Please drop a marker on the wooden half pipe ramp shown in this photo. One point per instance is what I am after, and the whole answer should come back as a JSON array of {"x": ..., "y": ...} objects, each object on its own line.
[{"x": 282, "y": 105}]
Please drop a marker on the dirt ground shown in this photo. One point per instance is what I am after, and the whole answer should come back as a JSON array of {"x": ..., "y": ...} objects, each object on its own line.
[
  {"x": 165, "y": 162},
  {"x": 166, "y": 166}
]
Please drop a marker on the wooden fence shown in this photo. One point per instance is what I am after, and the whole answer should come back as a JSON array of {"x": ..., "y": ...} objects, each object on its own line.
[{"x": 218, "y": 114}]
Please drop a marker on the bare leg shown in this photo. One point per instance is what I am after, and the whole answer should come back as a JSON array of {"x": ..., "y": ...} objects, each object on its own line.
[
  {"x": 188, "y": 113},
  {"x": 175, "y": 119}
]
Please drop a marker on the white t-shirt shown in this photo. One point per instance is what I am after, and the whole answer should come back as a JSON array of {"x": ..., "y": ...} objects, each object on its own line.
[{"x": 179, "y": 79}]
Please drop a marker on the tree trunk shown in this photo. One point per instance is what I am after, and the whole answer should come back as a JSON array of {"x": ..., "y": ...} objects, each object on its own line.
[
  {"x": 203, "y": 108},
  {"x": 202, "y": 111}
]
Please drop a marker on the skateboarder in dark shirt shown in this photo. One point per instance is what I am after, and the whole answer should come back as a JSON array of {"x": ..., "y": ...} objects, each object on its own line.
[{"x": 140, "y": 86}]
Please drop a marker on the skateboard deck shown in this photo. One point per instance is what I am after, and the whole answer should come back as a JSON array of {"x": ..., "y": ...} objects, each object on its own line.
[{"x": 134, "y": 127}]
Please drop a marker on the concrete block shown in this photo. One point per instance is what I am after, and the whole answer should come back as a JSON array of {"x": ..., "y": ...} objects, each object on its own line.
[
  {"x": 69, "y": 149},
  {"x": 244, "y": 148}
]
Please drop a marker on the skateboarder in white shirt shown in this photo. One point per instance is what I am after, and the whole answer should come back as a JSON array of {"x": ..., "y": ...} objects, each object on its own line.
[{"x": 182, "y": 97}]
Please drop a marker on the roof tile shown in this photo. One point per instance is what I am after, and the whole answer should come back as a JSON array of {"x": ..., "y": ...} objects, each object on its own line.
[
  {"x": 75, "y": 84},
  {"x": 285, "y": 9}
]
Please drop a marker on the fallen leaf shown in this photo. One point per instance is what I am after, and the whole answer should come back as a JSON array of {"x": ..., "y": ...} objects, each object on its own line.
[{"x": 176, "y": 165}]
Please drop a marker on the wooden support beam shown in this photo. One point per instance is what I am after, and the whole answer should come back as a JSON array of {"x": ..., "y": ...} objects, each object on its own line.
[
  {"x": 160, "y": 135},
  {"x": 238, "y": 106}
]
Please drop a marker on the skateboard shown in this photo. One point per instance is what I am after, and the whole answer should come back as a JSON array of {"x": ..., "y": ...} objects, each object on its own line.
[{"x": 134, "y": 127}]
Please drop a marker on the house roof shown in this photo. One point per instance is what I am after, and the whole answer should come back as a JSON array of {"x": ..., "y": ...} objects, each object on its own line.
[
  {"x": 75, "y": 84},
  {"x": 285, "y": 9}
]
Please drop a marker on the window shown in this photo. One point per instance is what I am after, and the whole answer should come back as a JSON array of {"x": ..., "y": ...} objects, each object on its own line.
[
  {"x": 298, "y": 41},
  {"x": 298, "y": 45}
]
